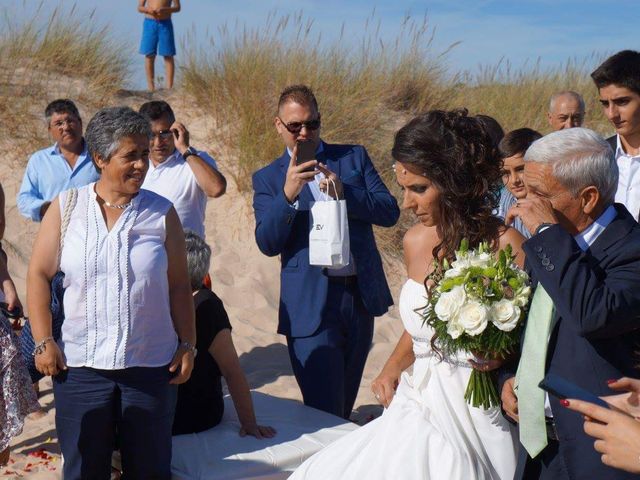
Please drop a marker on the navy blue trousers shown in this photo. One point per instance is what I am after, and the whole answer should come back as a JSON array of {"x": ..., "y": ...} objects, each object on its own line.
[
  {"x": 91, "y": 404},
  {"x": 548, "y": 465},
  {"x": 328, "y": 365}
]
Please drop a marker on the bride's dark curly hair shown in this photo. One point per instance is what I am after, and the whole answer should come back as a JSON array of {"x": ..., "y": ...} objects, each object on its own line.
[{"x": 455, "y": 152}]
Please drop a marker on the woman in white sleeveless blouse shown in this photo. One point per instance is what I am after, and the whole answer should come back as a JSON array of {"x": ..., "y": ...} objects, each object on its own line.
[
  {"x": 129, "y": 331},
  {"x": 450, "y": 181}
]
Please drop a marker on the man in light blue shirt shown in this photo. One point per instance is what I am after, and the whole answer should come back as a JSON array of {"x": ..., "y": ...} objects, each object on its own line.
[{"x": 64, "y": 165}]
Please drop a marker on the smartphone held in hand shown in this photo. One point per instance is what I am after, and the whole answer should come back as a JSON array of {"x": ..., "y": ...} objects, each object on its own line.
[
  {"x": 306, "y": 151},
  {"x": 562, "y": 388}
]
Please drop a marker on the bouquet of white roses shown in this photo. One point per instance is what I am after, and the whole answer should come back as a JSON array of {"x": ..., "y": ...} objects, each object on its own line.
[{"x": 478, "y": 305}]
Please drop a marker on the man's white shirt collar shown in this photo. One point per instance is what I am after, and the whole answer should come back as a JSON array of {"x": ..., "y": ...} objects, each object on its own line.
[
  {"x": 168, "y": 161},
  {"x": 620, "y": 150}
]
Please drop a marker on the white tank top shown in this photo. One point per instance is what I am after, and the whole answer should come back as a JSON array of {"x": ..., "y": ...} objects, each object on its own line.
[{"x": 116, "y": 299}]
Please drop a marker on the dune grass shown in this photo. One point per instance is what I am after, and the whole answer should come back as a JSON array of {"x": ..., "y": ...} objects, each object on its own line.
[
  {"x": 366, "y": 89},
  {"x": 520, "y": 98},
  {"x": 48, "y": 56},
  {"x": 361, "y": 90},
  {"x": 365, "y": 93}
]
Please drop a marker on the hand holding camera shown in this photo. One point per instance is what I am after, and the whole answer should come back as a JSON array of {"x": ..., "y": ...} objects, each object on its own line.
[{"x": 302, "y": 170}]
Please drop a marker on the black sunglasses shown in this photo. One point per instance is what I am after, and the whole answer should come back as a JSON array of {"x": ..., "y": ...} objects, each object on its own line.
[
  {"x": 162, "y": 134},
  {"x": 295, "y": 127}
]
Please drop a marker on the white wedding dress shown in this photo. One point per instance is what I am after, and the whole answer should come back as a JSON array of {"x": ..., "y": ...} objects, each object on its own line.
[{"x": 428, "y": 431}]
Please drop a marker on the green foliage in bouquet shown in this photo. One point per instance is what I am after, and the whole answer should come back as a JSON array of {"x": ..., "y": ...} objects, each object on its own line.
[{"x": 478, "y": 305}]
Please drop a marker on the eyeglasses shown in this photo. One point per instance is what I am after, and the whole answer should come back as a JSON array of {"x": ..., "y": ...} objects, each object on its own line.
[
  {"x": 70, "y": 122},
  {"x": 162, "y": 135},
  {"x": 296, "y": 127}
]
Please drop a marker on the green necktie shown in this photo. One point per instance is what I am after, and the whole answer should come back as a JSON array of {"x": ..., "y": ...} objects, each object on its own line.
[{"x": 533, "y": 430}]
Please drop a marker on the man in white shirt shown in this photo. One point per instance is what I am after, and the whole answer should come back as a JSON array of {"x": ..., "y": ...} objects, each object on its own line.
[
  {"x": 177, "y": 171},
  {"x": 618, "y": 82}
]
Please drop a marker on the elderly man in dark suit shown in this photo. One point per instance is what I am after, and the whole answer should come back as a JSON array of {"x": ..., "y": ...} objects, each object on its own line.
[
  {"x": 326, "y": 315},
  {"x": 585, "y": 315}
]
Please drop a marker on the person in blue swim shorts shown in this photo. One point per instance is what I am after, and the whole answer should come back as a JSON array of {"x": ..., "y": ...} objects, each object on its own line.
[{"x": 157, "y": 37}]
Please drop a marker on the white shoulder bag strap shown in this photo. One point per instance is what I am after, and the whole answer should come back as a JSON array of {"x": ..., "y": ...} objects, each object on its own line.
[{"x": 70, "y": 203}]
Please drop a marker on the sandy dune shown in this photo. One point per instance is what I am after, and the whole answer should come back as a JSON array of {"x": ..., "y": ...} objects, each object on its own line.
[{"x": 246, "y": 281}]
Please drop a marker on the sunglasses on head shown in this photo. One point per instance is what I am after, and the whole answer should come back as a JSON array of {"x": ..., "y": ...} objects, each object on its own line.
[{"x": 296, "y": 127}]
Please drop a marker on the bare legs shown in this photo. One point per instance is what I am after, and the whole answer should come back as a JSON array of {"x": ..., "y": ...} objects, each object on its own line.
[
  {"x": 168, "y": 69},
  {"x": 149, "y": 68},
  {"x": 149, "y": 61}
]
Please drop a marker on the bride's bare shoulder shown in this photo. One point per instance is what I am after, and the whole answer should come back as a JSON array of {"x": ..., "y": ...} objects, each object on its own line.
[
  {"x": 418, "y": 242},
  {"x": 415, "y": 237}
]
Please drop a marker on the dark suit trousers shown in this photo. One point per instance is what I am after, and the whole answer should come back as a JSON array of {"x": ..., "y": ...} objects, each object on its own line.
[
  {"x": 548, "y": 465},
  {"x": 328, "y": 365}
]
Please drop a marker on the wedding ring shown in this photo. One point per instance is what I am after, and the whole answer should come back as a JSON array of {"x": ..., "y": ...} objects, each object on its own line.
[{"x": 377, "y": 396}]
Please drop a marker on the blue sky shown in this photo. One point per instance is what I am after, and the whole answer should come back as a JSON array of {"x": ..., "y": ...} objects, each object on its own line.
[{"x": 520, "y": 31}]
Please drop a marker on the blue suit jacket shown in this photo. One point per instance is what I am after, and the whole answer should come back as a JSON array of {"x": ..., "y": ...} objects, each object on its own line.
[
  {"x": 283, "y": 230},
  {"x": 595, "y": 335}
]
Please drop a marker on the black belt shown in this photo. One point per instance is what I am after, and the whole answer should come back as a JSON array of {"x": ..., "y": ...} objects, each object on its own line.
[{"x": 346, "y": 281}]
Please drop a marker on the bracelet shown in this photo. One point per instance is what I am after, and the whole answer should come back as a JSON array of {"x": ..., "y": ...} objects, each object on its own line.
[
  {"x": 41, "y": 346},
  {"x": 189, "y": 347}
]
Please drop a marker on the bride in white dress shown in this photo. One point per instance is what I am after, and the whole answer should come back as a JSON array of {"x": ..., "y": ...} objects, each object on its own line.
[{"x": 449, "y": 173}]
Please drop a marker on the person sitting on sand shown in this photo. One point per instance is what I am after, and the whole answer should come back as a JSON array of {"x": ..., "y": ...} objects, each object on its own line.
[
  {"x": 200, "y": 405},
  {"x": 157, "y": 37}
]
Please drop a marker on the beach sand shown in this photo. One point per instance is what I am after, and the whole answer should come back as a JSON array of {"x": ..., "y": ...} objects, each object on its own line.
[{"x": 247, "y": 282}]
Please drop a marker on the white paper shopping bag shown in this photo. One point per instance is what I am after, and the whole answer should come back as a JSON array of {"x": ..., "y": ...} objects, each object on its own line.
[{"x": 329, "y": 233}]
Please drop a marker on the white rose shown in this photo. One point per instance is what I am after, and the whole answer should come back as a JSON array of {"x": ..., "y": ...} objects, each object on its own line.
[
  {"x": 505, "y": 315},
  {"x": 453, "y": 272},
  {"x": 454, "y": 329},
  {"x": 473, "y": 317},
  {"x": 461, "y": 263},
  {"x": 480, "y": 259},
  {"x": 522, "y": 298},
  {"x": 449, "y": 303}
]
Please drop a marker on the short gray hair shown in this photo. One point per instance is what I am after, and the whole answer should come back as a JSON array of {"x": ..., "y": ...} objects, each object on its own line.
[
  {"x": 579, "y": 158},
  {"x": 566, "y": 93},
  {"x": 109, "y": 126},
  {"x": 198, "y": 258}
]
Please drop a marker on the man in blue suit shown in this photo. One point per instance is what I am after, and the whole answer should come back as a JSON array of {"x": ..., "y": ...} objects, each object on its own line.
[
  {"x": 326, "y": 315},
  {"x": 585, "y": 254}
]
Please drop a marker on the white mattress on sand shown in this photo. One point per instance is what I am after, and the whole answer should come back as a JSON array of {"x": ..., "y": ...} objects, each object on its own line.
[{"x": 220, "y": 453}]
